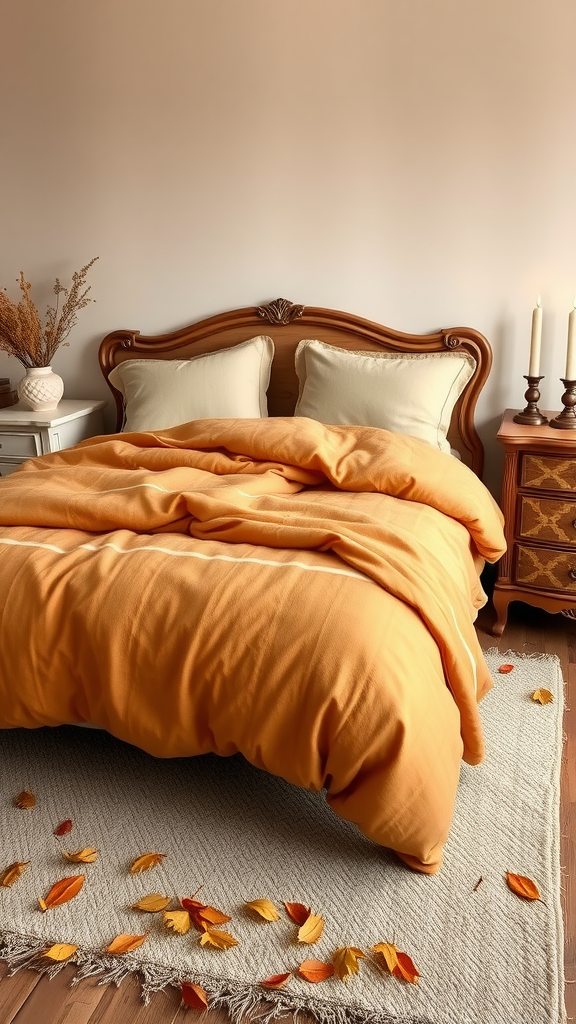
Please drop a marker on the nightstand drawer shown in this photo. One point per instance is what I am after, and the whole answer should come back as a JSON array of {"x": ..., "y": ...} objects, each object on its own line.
[
  {"x": 548, "y": 519},
  {"x": 9, "y": 467},
  {"x": 20, "y": 445},
  {"x": 549, "y": 472},
  {"x": 546, "y": 569}
]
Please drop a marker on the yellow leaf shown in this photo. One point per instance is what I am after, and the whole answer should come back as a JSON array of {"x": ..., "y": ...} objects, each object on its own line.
[
  {"x": 315, "y": 970},
  {"x": 126, "y": 943},
  {"x": 523, "y": 886},
  {"x": 193, "y": 995},
  {"x": 62, "y": 891},
  {"x": 177, "y": 920},
  {"x": 543, "y": 696},
  {"x": 25, "y": 799},
  {"x": 312, "y": 929},
  {"x": 86, "y": 856},
  {"x": 146, "y": 861},
  {"x": 276, "y": 981},
  {"x": 345, "y": 961},
  {"x": 389, "y": 952},
  {"x": 12, "y": 874},
  {"x": 152, "y": 903},
  {"x": 399, "y": 964},
  {"x": 60, "y": 951},
  {"x": 221, "y": 940},
  {"x": 264, "y": 908}
]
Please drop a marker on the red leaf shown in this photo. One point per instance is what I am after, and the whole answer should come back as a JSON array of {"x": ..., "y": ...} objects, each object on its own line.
[
  {"x": 276, "y": 981},
  {"x": 505, "y": 668},
  {"x": 406, "y": 968},
  {"x": 63, "y": 828},
  {"x": 193, "y": 995},
  {"x": 297, "y": 912}
]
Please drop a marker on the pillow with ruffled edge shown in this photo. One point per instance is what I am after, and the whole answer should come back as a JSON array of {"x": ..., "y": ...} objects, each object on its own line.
[
  {"x": 408, "y": 393},
  {"x": 161, "y": 393}
]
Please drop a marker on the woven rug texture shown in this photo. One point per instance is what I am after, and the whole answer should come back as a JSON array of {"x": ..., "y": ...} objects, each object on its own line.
[{"x": 485, "y": 955}]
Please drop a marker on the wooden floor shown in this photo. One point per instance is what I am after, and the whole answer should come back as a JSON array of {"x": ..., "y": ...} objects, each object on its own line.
[{"x": 28, "y": 998}]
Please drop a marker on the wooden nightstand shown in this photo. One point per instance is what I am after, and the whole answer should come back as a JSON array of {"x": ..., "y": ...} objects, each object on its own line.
[
  {"x": 539, "y": 506},
  {"x": 25, "y": 434}
]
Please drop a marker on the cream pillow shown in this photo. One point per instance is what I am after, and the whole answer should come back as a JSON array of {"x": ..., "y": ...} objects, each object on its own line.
[
  {"x": 161, "y": 393},
  {"x": 406, "y": 393}
]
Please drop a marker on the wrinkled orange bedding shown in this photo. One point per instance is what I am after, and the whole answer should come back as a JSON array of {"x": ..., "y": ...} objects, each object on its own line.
[{"x": 300, "y": 593}]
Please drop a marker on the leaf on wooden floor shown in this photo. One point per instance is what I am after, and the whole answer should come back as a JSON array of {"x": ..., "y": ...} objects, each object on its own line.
[
  {"x": 312, "y": 929},
  {"x": 346, "y": 961},
  {"x": 522, "y": 886},
  {"x": 276, "y": 980},
  {"x": 60, "y": 951},
  {"x": 177, "y": 920},
  {"x": 86, "y": 856},
  {"x": 12, "y": 873},
  {"x": 62, "y": 892},
  {"x": 505, "y": 668},
  {"x": 193, "y": 995},
  {"x": 152, "y": 903},
  {"x": 25, "y": 800},
  {"x": 63, "y": 828},
  {"x": 315, "y": 970},
  {"x": 217, "y": 939},
  {"x": 126, "y": 943},
  {"x": 297, "y": 912},
  {"x": 145, "y": 862},
  {"x": 264, "y": 909},
  {"x": 542, "y": 696}
]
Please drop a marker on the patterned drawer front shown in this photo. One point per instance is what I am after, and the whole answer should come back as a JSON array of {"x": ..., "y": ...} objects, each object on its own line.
[
  {"x": 546, "y": 569},
  {"x": 548, "y": 520},
  {"x": 24, "y": 445},
  {"x": 548, "y": 471}
]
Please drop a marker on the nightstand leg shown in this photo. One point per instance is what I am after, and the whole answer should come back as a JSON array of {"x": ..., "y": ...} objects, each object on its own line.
[{"x": 500, "y": 600}]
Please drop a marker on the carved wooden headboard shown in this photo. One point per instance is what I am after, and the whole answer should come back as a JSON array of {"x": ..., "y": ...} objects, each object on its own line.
[{"x": 287, "y": 324}]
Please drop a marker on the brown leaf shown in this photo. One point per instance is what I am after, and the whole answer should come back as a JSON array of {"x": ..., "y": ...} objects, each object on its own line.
[
  {"x": 126, "y": 943},
  {"x": 218, "y": 939},
  {"x": 264, "y": 909},
  {"x": 523, "y": 886},
  {"x": 345, "y": 961},
  {"x": 177, "y": 920},
  {"x": 505, "y": 668},
  {"x": 86, "y": 856},
  {"x": 315, "y": 970},
  {"x": 63, "y": 828},
  {"x": 297, "y": 912},
  {"x": 152, "y": 903},
  {"x": 63, "y": 891},
  {"x": 406, "y": 969},
  {"x": 12, "y": 874},
  {"x": 312, "y": 929},
  {"x": 276, "y": 980},
  {"x": 145, "y": 862},
  {"x": 543, "y": 696},
  {"x": 60, "y": 951},
  {"x": 25, "y": 799},
  {"x": 193, "y": 995}
]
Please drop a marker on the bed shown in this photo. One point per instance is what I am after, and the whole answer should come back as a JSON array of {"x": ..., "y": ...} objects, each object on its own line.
[{"x": 276, "y": 553}]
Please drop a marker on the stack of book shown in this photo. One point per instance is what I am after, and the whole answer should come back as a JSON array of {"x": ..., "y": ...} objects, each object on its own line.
[{"x": 7, "y": 395}]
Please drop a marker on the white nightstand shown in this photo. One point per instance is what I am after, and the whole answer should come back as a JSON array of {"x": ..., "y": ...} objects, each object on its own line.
[{"x": 25, "y": 433}]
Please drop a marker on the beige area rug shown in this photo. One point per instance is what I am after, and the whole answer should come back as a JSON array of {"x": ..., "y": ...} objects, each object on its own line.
[{"x": 485, "y": 955}]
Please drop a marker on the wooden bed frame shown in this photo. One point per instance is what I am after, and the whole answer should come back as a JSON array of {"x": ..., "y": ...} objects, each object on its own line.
[{"x": 287, "y": 324}]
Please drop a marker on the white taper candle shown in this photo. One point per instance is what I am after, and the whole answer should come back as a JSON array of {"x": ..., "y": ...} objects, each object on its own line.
[
  {"x": 571, "y": 349},
  {"x": 535, "y": 341}
]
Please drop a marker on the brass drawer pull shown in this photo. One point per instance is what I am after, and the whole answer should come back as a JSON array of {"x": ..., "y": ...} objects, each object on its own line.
[{"x": 572, "y": 574}]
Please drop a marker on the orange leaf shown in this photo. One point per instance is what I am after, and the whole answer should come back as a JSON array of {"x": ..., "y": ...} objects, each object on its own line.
[
  {"x": 145, "y": 862},
  {"x": 152, "y": 903},
  {"x": 315, "y": 970},
  {"x": 12, "y": 873},
  {"x": 63, "y": 891},
  {"x": 126, "y": 943},
  {"x": 345, "y": 961},
  {"x": 201, "y": 914},
  {"x": 297, "y": 912},
  {"x": 63, "y": 828},
  {"x": 505, "y": 668},
  {"x": 276, "y": 981},
  {"x": 218, "y": 939},
  {"x": 389, "y": 952},
  {"x": 523, "y": 886},
  {"x": 86, "y": 856},
  {"x": 543, "y": 696},
  {"x": 60, "y": 951},
  {"x": 177, "y": 920},
  {"x": 25, "y": 799},
  {"x": 193, "y": 995},
  {"x": 405, "y": 968},
  {"x": 312, "y": 929},
  {"x": 264, "y": 909}
]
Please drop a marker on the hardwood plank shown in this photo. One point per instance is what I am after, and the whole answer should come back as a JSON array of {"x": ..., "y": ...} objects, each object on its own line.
[
  {"x": 14, "y": 992},
  {"x": 54, "y": 1001}
]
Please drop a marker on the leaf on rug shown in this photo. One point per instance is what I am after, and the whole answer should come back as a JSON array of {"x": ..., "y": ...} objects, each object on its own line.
[
  {"x": 60, "y": 951},
  {"x": 315, "y": 970},
  {"x": 145, "y": 862},
  {"x": 12, "y": 873},
  {"x": 126, "y": 943},
  {"x": 63, "y": 828},
  {"x": 346, "y": 961},
  {"x": 276, "y": 981},
  {"x": 542, "y": 696},
  {"x": 297, "y": 912},
  {"x": 312, "y": 929},
  {"x": 523, "y": 886},
  {"x": 152, "y": 903},
  {"x": 25, "y": 800},
  {"x": 264, "y": 909},
  {"x": 398, "y": 963},
  {"x": 86, "y": 856},
  {"x": 177, "y": 920},
  {"x": 62, "y": 891},
  {"x": 217, "y": 939}
]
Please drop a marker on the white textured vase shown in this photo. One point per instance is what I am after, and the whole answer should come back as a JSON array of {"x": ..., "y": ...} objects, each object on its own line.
[{"x": 41, "y": 389}]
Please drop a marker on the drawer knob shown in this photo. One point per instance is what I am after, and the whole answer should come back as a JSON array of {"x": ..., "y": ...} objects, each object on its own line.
[
  {"x": 573, "y": 521},
  {"x": 572, "y": 574}
]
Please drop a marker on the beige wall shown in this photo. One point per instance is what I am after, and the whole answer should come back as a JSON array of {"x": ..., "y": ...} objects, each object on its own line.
[{"x": 412, "y": 161}]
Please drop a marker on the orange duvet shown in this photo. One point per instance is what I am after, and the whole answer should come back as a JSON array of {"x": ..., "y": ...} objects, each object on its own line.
[{"x": 300, "y": 593}]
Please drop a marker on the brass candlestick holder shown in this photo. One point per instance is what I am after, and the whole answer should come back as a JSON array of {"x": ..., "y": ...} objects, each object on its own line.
[
  {"x": 566, "y": 420},
  {"x": 531, "y": 414}
]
